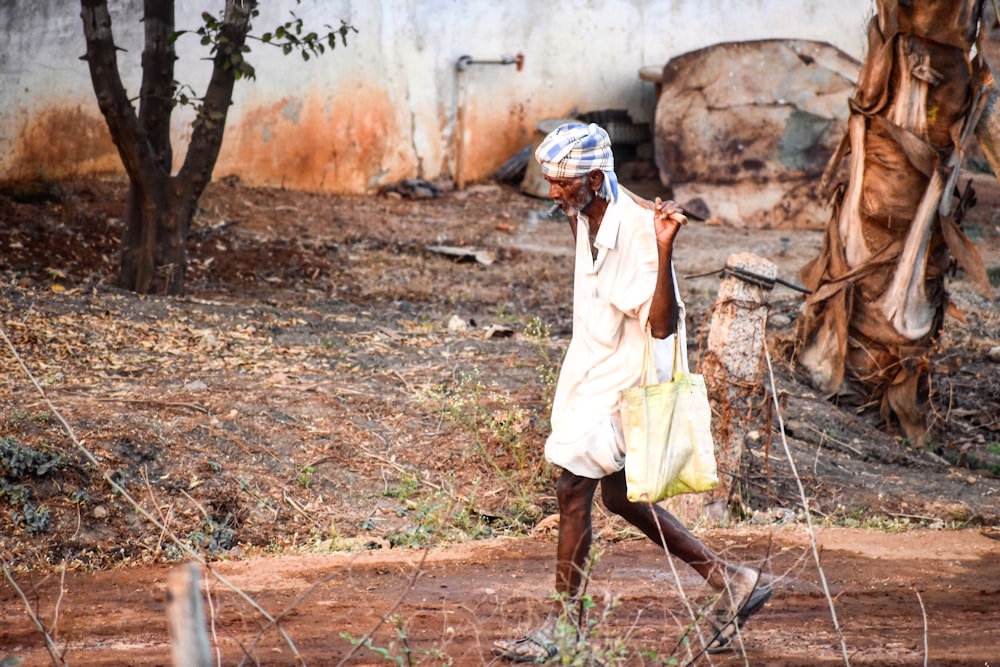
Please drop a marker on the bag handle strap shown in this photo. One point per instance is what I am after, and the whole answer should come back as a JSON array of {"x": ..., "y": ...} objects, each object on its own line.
[
  {"x": 648, "y": 362},
  {"x": 680, "y": 364},
  {"x": 680, "y": 337}
]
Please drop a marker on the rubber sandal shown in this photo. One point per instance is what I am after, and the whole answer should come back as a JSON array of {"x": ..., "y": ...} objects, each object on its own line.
[
  {"x": 727, "y": 630},
  {"x": 755, "y": 602},
  {"x": 536, "y": 647}
]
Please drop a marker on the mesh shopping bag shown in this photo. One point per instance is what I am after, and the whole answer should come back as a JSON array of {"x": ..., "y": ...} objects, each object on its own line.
[{"x": 668, "y": 430}]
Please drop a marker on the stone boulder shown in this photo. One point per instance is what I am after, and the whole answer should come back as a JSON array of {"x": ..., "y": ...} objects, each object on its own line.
[{"x": 749, "y": 127}]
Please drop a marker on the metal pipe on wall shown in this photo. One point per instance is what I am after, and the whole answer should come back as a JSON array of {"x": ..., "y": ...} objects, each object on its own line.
[{"x": 461, "y": 65}]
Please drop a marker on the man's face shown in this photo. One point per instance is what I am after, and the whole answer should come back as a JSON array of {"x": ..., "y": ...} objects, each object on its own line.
[{"x": 573, "y": 195}]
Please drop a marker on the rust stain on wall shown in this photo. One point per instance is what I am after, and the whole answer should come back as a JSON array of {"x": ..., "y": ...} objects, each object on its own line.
[
  {"x": 61, "y": 142},
  {"x": 494, "y": 134},
  {"x": 351, "y": 144}
]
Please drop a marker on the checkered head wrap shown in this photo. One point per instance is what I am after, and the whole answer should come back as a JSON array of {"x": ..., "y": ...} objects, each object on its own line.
[{"x": 574, "y": 149}]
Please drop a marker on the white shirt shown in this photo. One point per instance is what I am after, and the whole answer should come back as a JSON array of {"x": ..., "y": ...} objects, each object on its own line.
[{"x": 611, "y": 301}]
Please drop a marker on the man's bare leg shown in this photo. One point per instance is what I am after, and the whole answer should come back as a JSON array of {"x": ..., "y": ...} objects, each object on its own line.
[
  {"x": 664, "y": 529},
  {"x": 576, "y": 500}
]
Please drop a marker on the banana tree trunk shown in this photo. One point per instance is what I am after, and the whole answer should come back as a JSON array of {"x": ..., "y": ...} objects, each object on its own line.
[{"x": 878, "y": 301}]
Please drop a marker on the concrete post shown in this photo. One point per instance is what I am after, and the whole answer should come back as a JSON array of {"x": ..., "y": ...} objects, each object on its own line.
[
  {"x": 189, "y": 645},
  {"x": 733, "y": 367}
]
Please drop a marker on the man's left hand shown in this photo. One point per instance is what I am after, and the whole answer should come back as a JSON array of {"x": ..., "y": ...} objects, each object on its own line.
[{"x": 667, "y": 219}]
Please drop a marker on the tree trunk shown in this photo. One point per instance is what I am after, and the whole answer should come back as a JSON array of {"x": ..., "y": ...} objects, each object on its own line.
[
  {"x": 879, "y": 299},
  {"x": 160, "y": 207},
  {"x": 154, "y": 249}
]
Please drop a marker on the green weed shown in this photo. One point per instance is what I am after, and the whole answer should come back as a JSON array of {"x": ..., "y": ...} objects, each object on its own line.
[
  {"x": 18, "y": 463},
  {"x": 505, "y": 437},
  {"x": 548, "y": 370},
  {"x": 306, "y": 476},
  {"x": 395, "y": 653},
  {"x": 398, "y": 651},
  {"x": 330, "y": 539},
  {"x": 505, "y": 441},
  {"x": 212, "y": 539},
  {"x": 503, "y": 313},
  {"x": 407, "y": 486},
  {"x": 437, "y": 519},
  {"x": 584, "y": 631},
  {"x": 40, "y": 417}
]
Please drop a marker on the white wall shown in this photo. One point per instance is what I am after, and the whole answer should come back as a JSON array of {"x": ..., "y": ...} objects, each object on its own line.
[{"x": 384, "y": 107}]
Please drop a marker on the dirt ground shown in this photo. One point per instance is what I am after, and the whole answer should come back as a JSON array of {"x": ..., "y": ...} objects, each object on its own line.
[{"x": 344, "y": 416}]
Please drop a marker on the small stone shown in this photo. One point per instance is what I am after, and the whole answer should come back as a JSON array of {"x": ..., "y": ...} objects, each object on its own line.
[
  {"x": 498, "y": 331},
  {"x": 100, "y": 512},
  {"x": 780, "y": 321},
  {"x": 994, "y": 354}
]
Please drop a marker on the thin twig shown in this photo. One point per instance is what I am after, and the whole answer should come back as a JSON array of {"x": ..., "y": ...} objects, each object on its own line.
[
  {"x": 149, "y": 489},
  {"x": 59, "y": 598},
  {"x": 381, "y": 459},
  {"x": 680, "y": 588},
  {"x": 301, "y": 510},
  {"x": 805, "y": 507},
  {"x": 120, "y": 490},
  {"x": 211, "y": 619},
  {"x": 406, "y": 384},
  {"x": 280, "y": 616},
  {"x": 161, "y": 404},
  {"x": 824, "y": 436},
  {"x": 923, "y": 615},
  {"x": 50, "y": 644},
  {"x": 79, "y": 522},
  {"x": 368, "y": 635}
]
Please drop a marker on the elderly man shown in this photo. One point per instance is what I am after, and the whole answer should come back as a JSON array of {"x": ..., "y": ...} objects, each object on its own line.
[{"x": 623, "y": 284}]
